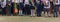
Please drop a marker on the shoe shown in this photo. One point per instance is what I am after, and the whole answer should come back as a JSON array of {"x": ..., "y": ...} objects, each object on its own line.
[
  {"x": 38, "y": 16},
  {"x": 49, "y": 16},
  {"x": 55, "y": 16}
]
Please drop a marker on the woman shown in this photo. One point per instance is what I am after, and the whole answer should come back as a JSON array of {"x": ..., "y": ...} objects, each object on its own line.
[
  {"x": 47, "y": 8},
  {"x": 21, "y": 6},
  {"x": 51, "y": 7},
  {"x": 32, "y": 8},
  {"x": 56, "y": 8},
  {"x": 3, "y": 5},
  {"x": 39, "y": 8},
  {"x": 8, "y": 9},
  {"x": 27, "y": 7},
  {"x": 0, "y": 8}
]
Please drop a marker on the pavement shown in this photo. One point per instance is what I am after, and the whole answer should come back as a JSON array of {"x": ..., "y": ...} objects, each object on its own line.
[{"x": 28, "y": 19}]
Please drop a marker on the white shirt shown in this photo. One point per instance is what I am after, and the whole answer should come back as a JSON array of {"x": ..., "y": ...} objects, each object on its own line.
[
  {"x": 17, "y": 1},
  {"x": 48, "y": 3},
  {"x": 21, "y": 1},
  {"x": 3, "y": 4},
  {"x": 38, "y": 1},
  {"x": 12, "y": 0},
  {"x": 26, "y": 2}
]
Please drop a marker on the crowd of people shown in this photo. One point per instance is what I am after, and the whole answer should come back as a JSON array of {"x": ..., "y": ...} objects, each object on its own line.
[{"x": 30, "y": 7}]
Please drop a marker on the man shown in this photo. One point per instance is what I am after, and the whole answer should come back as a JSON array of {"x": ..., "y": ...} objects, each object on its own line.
[{"x": 21, "y": 6}]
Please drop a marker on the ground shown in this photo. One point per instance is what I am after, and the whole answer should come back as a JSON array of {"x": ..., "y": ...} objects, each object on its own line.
[{"x": 28, "y": 19}]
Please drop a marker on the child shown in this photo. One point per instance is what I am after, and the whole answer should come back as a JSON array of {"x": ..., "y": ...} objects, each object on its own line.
[
  {"x": 8, "y": 9},
  {"x": 32, "y": 8},
  {"x": 47, "y": 8},
  {"x": 56, "y": 8},
  {"x": 39, "y": 8},
  {"x": 21, "y": 7},
  {"x": 3, "y": 5},
  {"x": 27, "y": 8},
  {"x": 32, "y": 11}
]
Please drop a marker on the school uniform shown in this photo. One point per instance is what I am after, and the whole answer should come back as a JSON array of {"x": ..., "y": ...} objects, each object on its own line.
[
  {"x": 8, "y": 9},
  {"x": 27, "y": 7},
  {"x": 56, "y": 8},
  {"x": 32, "y": 8},
  {"x": 12, "y": 3},
  {"x": 30, "y": 1},
  {"x": 35, "y": 4},
  {"x": 39, "y": 8},
  {"x": 3, "y": 5},
  {"x": 21, "y": 7},
  {"x": 47, "y": 8},
  {"x": 0, "y": 8},
  {"x": 51, "y": 5},
  {"x": 21, "y": 4},
  {"x": 16, "y": 7},
  {"x": 59, "y": 6}
]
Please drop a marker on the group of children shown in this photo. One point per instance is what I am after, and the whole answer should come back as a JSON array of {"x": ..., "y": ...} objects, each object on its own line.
[{"x": 31, "y": 7}]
